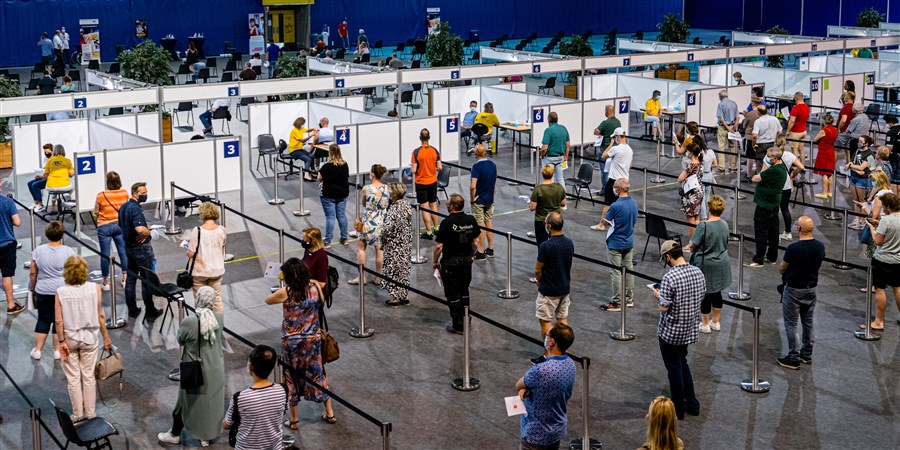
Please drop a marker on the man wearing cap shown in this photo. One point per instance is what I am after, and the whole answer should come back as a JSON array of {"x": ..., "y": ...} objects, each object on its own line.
[
  {"x": 622, "y": 217},
  {"x": 680, "y": 293},
  {"x": 555, "y": 147},
  {"x": 800, "y": 275},
  {"x": 726, "y": 118},
  {"x": 618, "y": 160},
  {"x": 767, "y": 197}
]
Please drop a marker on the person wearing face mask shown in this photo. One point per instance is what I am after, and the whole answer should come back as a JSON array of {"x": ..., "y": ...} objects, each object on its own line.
[
  {"x": 454, "y": 251},
  {"x": 37, "y": 185},
  {"x": 622, "y": 216},
  {"x": 553, "y": 274},
  {"x": 344, "y": 33},
  {"x": 324, "y": 135},
  {"x": 860, "y": 165},
  {"x": 138, "y": 250},
  {"x": 314, "y": 255},
  {"x": 680, "y": 294},
  {"x": 64, "y": 37},
  {"x": 738, "y": 79},
  {"x": 469, "y": 120},
  {"x": 545, "y": 389},
  {"x": 652, "y": 114}
]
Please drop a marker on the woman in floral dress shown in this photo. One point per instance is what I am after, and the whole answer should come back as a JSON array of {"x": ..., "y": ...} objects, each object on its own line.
[
  {"x": 375, "y": 201},
  {"x": 396, "y": 236},
  {"x": 301, "y": 341},
  {"x": 692, "y": 185}
]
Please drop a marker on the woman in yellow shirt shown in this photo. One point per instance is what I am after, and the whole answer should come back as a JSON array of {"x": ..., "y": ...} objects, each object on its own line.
[
  {"x": 490, "y": 120},
  {"x": 299, "y": 136},
  {"x": 652, "y": 112},
  {"x": 57, "y": 171}
]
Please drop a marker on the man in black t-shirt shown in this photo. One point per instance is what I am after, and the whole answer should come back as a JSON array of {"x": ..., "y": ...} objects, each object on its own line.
[
  {"x": 453, "y": 256},
  {"x": 800, "y": 275},
  {"x": 892, "y": 140}
]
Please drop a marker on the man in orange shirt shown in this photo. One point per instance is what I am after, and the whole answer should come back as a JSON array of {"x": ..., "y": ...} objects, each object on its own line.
[{"x": 426, "y": 163}]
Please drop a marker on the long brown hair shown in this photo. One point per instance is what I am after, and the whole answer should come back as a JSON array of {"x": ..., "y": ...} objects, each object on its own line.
[
  {"x": 662, "y": 426},
  {"x": 296, "y": 279},
  {"x": 334, "y": 155}
]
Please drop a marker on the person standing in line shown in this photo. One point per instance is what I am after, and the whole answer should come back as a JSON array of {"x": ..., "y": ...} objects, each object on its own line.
[
  {"x": 846, "y": 114},
  {"x": 138, "y": 251},
  {"x": 892, "y": 142},
  {"x": 58, "y": 62},
  {"x": 767, "y": 197},
  {"x": 426, "y": 164},
  {"x": 545, "y": 390},
  {"x": 334, "y": 188},
  {"x": 260, "y": 407},
  {"x": 886, "y": 260},
  {"x": 375, "y": 201},
  {"x": 396, "y": 235},
  {"x": 454, "y": 249},
  {"x": 67, "y": 57},
  {"x": 860, "y": 165},
  {"x": 619, "y": 154},
  {"x": 680, "y": 294},
  {"x": 553, "y": 272},
  {"x": 273, "y": 51},
  {"x": 45, "y": 277},
  {"x": 46, "y": 46},
  {"x": 692, "y": 187},
  {"x": 344, "y": 33},
  {"x": 797, "y": 125},
  {"x": 800, "y": 276},
  {"x": 794, "y": 166},
  {"x": 546, "y": 198},
  {"x": 481, "y": 191},
  {"x": 709, "y": 252},
  {"x": 662, "y": 425},
  {"x": 555, "y": 147},
  {"x": 604, "y": 133},
  {"x": 314, "y": 255},
  {"x": 765, "y": 130},
  {"x": 750, "y": 117},
  {"x": 825, "y": 158},
  {"x": 726, "y": 118},
  {"x": 9, "y": 218},
  {"x": 207, "y": 242},
  {"x": 622, "y": 216}
]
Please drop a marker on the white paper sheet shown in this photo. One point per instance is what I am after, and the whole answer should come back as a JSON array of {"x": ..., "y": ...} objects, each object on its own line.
[{"x": 514, "y": 406}]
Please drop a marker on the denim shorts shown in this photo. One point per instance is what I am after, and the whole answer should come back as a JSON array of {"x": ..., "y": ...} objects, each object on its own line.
[{"x": 861, "y": 182}]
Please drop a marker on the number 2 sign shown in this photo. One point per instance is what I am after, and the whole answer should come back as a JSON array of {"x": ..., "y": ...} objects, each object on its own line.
[{"x": 87, "y": 165}]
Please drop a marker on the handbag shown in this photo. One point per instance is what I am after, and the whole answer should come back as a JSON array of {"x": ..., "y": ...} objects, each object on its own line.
[
  {"x": 107, "y": 367},
  {"x": 330, "y": 350},
  {"x": 192, "y": 371},
  {"x": 358, "y": 225},
  {"x": 185, "y": 280},
  {"x": 865, "y": 236}
]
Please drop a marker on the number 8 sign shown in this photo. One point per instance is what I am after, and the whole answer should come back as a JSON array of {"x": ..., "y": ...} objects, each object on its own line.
[{"x": 86, "y": 165}]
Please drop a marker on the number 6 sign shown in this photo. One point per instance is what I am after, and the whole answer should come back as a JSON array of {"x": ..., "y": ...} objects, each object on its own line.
[{"x": 537, "y": 115}]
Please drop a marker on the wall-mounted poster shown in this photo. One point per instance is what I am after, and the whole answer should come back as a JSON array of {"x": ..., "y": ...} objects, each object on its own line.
[
  {"x": 433, "y": 19},
  {"x": 140, "y": 28},
  {"x": 256, "y": 24},
  {"x": 90, "y": 39}
]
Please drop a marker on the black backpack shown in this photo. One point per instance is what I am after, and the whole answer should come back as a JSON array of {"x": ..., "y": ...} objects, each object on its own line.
[{"x": 331, "y": 283}]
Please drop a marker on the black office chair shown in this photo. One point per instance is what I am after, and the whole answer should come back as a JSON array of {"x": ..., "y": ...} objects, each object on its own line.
[
  {"x": 265, "y": 145},
  {"x": 222, "y": 113},
  {"x": 38, "y": 69},
  {"x": 116, "y": 111},
  {"x": 32, "y": 85},
  {"x": 365, "y": 58},
  {"x": 873, "y": 110},
  {"x": 230, "y": 66},
  {"x": 548, "y": 86},
  {"x": 417, "y": 89},
  {"x": 184, "y": 70},
  {"x": 185, "y": 107},
  {"x": 417, "y": 64},
  {"x": 582, "y": 181},
  {"x": 443, "y": 180},
  {"x": 94, "y": 64},
  {"x": 226, "y": 77},
  {"x": 203, "y": 75},
  {"x": 114, "y": 69},
  {"x": 475, "y": 58},
  {"x": 211, "y": 63},
  {"x": 91, "y": 433},
  {"x": 38, "y": 118},
  {"x": 258, "y": 70},
  {"x": 339, "y": 55},
  {"x": 246, "y": 101},
  {"x": 479, "y": 136},
  {"x": 656, "y": 227},
  {"x": 406, "y": 100},
  {"x": 75, "y": 76},
  {"x": 170, "y": 291},
  {"x": 369, "y": 94},
  {"x": 378, "y": 46}
]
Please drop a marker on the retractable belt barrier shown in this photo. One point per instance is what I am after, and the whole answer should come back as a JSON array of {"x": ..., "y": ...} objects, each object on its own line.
[{"x": 35, "y": 414}]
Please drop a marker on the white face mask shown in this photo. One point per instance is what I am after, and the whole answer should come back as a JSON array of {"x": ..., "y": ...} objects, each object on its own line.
[
  {"x": 546, "y": 344},
  {"x": 473, "y": 109}
]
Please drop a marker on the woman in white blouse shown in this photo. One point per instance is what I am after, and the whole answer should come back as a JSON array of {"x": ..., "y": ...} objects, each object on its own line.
[{"x": 209, "y": 267}]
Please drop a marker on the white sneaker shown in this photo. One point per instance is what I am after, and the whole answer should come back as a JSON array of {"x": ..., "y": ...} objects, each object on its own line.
[
  {"x": 56, "y": 355},
  {"x": 705, "y": 329},
  {"x": 104, "y": 286},
  {"x": 785, "y": 236},
  {"x": 715, "y": 326},
  {"x": 168, "y": 438},
  {"x": 563, "y": 207},
  {"x": 38, "y": 208},
  {"x": 598, "y": 227},
  {"x": 35, "y": 354},
  {"x": 204, "y": 443}
]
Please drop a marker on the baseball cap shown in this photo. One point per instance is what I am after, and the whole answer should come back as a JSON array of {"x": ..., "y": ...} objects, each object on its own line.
[
  {"x": 619, "y": 132},
  {"x": 667, "y": 247}
]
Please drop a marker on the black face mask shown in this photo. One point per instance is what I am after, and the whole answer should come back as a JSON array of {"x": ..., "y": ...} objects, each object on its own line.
[
  {"x": 47, "y": 155},
  {"x": 142, "y": 198},
  {"x": 306, "y": 244}
]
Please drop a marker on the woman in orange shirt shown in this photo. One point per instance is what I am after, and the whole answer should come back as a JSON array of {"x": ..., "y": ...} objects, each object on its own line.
[{"x": 107, "y": 210}]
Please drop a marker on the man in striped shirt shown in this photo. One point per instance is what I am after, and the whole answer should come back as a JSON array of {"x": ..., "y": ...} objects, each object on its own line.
[{"x": 257, "y": 410}]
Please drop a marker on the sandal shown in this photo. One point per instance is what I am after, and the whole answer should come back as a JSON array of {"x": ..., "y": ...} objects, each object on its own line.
[
  {"x": 330, "y": 419},
  {"x": 862, "y": 326},
  {"x": 291, "y": 424}
]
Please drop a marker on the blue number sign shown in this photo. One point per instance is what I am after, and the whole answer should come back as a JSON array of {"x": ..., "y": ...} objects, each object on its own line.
[
  {"x": 234, "y": 91},
  {"x": 623, "y": 106},
  {"x": 80, "y": 103},
  {"x": 690, "y": 56},
  {"x": 232, "y": 149},
  {"x": 815, "y": 47},
  {"x": 87, "y": 165},
  {"x": 536, "y": 68},
  {"x": 338, "y": 83},
  {"x": 691, "y": 98},
  {"x": 626, "y": 62},
  {"x": 454, "y": 74},
  {"x": 343, "y": 136},
  {"x": 537, "y": 115},
  {"x": 452, "y": 125},
  {"x": 814, "y": 85},
  {"x": 762, "y": 51}
]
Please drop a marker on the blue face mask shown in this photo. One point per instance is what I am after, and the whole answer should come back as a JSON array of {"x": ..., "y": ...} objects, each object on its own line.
[
  {"x": 546, "y": 345},
  {"x": 473, "y": 109}
]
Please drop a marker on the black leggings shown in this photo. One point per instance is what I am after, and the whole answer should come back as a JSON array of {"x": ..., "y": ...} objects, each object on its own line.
[
  {"x": 711, "y": 300},
  {"x": 177, "y": 422},
  {"x": 786, "y": 209}
]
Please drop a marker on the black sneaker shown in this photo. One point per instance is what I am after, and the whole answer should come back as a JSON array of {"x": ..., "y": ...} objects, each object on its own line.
[
  {"x": 392, "y": 303},
  {"x": 789, "y": 363},
  {"x": 806, "y": 359},
  {"x": 538, "y": 360},
  {"x": 344, "y": 241},
  {"x": 153, "y": 314},
  {"x": 404, "y": 302},
  {"x": 426, "y": 235},
  {"x": 611, "y": 307},
  {"x": 489, "y": 252},
  {"x": 135, "y": 313},
  {"x": 450, "y": 329},
  {"x": 479, "y": 256},
  {"x": 16, "y": 309}
]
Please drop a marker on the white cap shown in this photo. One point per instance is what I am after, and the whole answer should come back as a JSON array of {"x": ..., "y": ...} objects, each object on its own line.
[{"x": 619, "y": 132}]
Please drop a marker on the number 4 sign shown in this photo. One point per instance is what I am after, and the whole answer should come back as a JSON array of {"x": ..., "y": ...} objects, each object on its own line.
[
  {"x": 86, "y": 165},
  {"x": 343, "y": 136},
  {"x": 232, "y": 149}
]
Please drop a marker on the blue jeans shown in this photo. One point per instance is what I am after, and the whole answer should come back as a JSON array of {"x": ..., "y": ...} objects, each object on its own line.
[
  {"x": 798, "y": 304},
  {"x": 272, "y": 65},
  {"x": 36, "y": 186},
  {"x": 556, "y": 162},
  {"x": 604, "y": 175},
  {"x": 681, "y": 383},
  {"x": 107, "y": 233},
  {"x": 197, "y": 67},
  {"x": 138, "y": 256},
  {"x": 305, "y": 156},
  {"x": 206, "y": 120},
  {"x": 332, "y": 208}
]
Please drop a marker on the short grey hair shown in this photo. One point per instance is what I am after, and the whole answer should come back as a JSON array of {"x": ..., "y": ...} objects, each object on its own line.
[
  {"x": 775, "y": 153},
  {"x": 723, "y": 94},
  {"x": 857, "y": 108}
]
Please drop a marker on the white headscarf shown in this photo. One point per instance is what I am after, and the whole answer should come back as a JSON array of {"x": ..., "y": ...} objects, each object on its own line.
[{"x": 206, "y": 300}]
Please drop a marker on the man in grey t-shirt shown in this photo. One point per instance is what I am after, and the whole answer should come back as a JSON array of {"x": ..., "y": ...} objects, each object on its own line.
[{"x": 765, "y": 129}]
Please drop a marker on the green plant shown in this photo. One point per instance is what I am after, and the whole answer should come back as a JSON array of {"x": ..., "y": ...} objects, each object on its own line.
[
  {"x": 577, "y": 46},
  {"x": 444, "y": 48},
  {"x": 147, "y": 63},
  {"x": 777, "y": 61},
  {"x": 673, "y": 29},
  {"x": 869, "y": 18},
  {"x": 292, "y": 67},
  {"x": 8, "y": 88}
]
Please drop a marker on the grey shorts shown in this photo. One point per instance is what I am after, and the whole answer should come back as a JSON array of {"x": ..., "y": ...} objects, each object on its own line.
[{"x": 549, "y": 308}]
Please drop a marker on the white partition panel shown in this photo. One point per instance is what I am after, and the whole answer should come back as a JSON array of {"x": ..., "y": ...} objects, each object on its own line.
[
  {"x": 440, "y": 100},
  {"x": 539, "y": 124},
  {"x": 355, "y": 102},
  {"x": 102, "y": 136},
  {"x": 88, "y": 185},
  {"x": 139, "y": 164},
  {"x": 571, "y": 117},
  {"x": 740, "y": 95},
  {"x": 495, "y": 70},
  {"x": 519, "y": 87},
  {"x": 594, "y": 112},
  {"x": 335, "y": 114},
  {"x": 190, "y": 165},
  {"x": 148, "y": 126},
  {"x": 359, "y": 117},
  {"x": 23, "y": 106},
  {"x": 677, "y": 91},
  {"x": 369, "y": 79},
  {"x": 335, "y": 101},
  {"x": 348, "y": 149},
  {"x": 260, "y": 88},
  {"x": 259, "y": 120},
  {"x": 693, "y": 107},
  {"x": 125, "y": 122},
  {"x": 539, "y": 99},
  {"x": 229, "y": 152},
  {"x": 561, "y": 65},
  {"x": 623, "y": 108},
  {"x": 409, "y": 136},
  {"x": 449, "y": 136},
  {"x": 795, "y": 81},
  {"x": 509, "y": 106},
  {"x": 821, "y": 63},
  {"x": 71, "y": 134},
  {"x": 830, "y": 91},
  {"x": 460, "y": 97},
  {"x": 378, "y": 144},
  {"x": 773, "y": 78},
  {"x": 640, "y": 89},
  {"x": 709, "y": 103},
  {"x": 26, "y": 144},
  {"x": 859, "y": 80},
  {"x": 597, "y": 86},
  {"x": 746, "y": 51},
  {"x": 194, "y": 92},
  {"x": 427, "y": 75},
  {"x": 788, "y": 49},
  {"x": 282, "y": 116},
  {"x": 107, "y": 99}
]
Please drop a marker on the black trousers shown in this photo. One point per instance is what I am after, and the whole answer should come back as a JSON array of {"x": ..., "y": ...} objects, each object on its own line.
[
  {"x": 786, "y": 209},
  {"x": 765, "y": 230},
  {"x": 540, "y": 232},
  {"x": 177, "y": 422},
  {"x": 456, "y": 273}
]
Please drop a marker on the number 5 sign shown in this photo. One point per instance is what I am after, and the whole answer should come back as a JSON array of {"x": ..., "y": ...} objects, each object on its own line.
[
  {"x": 86, "y": 165},
  {"x": 232, "y": 149},
  {"x": 537, "y": 115},
  {"x": 452, "y": 125}
]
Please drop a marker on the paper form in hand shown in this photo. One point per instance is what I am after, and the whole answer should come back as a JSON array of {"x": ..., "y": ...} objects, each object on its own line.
[
  {"x": 272, "y": 270},
  {"x": 514, "y": 406},
  {"x": 565, "y": 164},
  {"x": 612, "y": 226},
  {"x": 437, "y": 276}
]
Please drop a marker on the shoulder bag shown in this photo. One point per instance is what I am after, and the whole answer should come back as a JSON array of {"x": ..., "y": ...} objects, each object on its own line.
[
  {"x": 192, "y": 371},
  {"x": 107, "y": 367},
  {"x": 330, "y": 350},
  {"x": 185, "y": 280}
]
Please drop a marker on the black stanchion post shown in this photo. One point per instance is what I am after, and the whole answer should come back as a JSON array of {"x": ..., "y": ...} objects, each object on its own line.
[
  {"x": 585, "y": 442},
  {"x": 114, "y": 322},
  {"x": 418, "y": 258},
  {"x": 466, "y": 383},
  {"x": 172, "y": 228},
  {"x": 741, "y": 294},
  {"x": 361, "y": 331},
  {"x": 755, "y": 385},
  {"x": 36, "y": 428},
  {"x": 385, "y": 435},
  {"x": 622, "y": 335},
  {"x": 734, "y": 212},
  {"x": 843, "y": 264},
  {"x": 867, "y": 334},
  {"x": 508, "y": 293}
]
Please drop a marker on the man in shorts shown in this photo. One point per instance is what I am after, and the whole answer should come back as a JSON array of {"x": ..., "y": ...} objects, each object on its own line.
[
  {"x": 797, "y": 125},
  {"x": 426, "y": 163},
  {"x": 481, "y": 190},
  {"x": 553, "y": 273},
  {"x": 9, "y": 218}
]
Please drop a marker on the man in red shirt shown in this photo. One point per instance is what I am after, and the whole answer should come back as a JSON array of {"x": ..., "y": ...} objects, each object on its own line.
[
  {"x": 342, "y": 32},
  {"x": 846, "y": 114},
  {"x": 797, "y": 125}
]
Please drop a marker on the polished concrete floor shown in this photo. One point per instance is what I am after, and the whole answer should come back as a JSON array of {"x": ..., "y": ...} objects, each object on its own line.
[{"x": 848, "y": 398}]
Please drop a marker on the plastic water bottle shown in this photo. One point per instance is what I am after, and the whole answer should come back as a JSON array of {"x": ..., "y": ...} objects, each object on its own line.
[
  {"x": 516, "y": 122},
  {"x": 678, "y": 107}
]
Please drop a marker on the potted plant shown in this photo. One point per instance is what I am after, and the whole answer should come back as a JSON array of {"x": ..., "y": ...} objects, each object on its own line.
[
  {"x": 869, "y": 18},
  {"x": 443, "y": 48},
  {"x": 149, "y": 63},
  {"x": 577, "y": 46},
  {"x": 292, "y": 67},
  {"x": 777, "y": 61},
  {"x": 672, "y": 29},
  {"x": 8, "y": 88}
]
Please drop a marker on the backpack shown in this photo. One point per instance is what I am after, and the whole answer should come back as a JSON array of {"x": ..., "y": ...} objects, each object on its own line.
[
  {"x": 236, "y": 415},
  {"x": 331, "y": 283}
]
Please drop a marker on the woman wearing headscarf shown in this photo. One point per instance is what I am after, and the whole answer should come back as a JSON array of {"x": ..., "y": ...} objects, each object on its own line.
[
  {"x": 396, "y": 236},
  {"x": 201, "y": 410}
]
